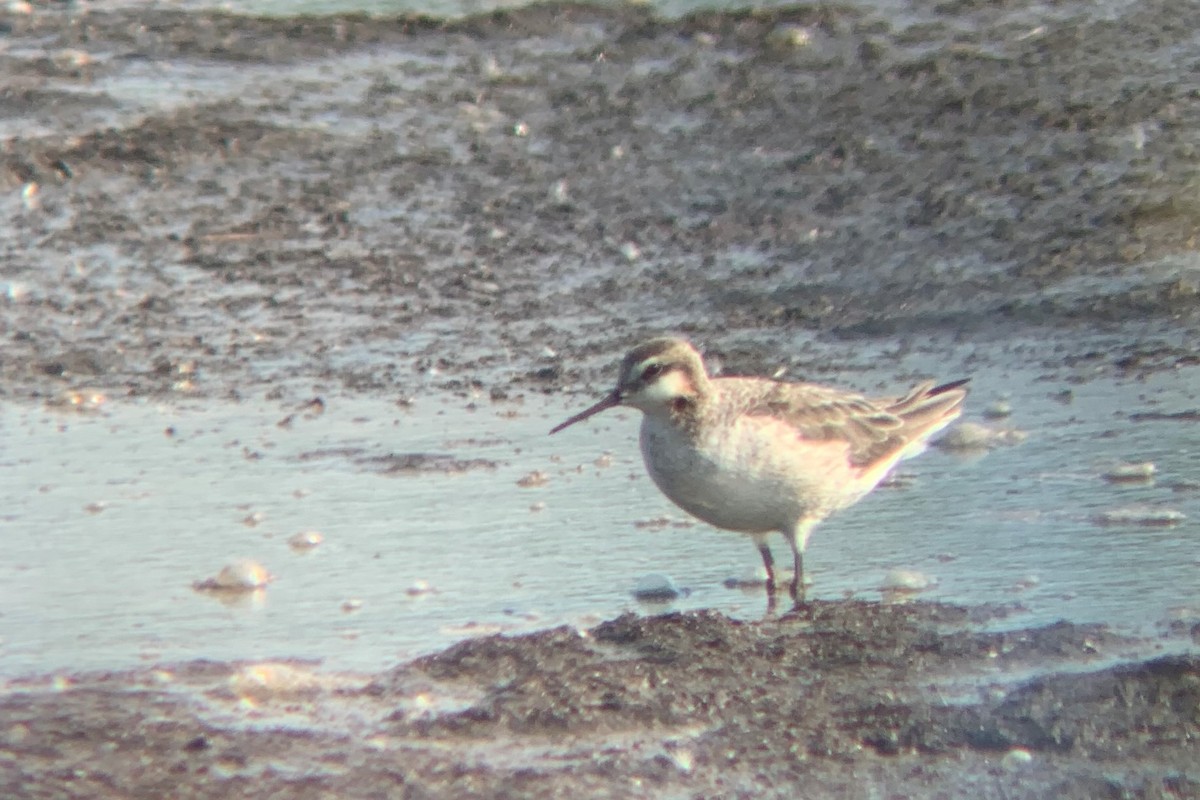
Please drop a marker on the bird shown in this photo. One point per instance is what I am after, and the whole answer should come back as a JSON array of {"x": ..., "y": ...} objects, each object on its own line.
[{"x": 759, "y": 456}]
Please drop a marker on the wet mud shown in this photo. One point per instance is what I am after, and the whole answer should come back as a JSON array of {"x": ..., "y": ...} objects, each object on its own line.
[
  {"x": 219, "y": 205},
  {"x": 202, "y": 205},
  {"x": 906, "y": 701}
]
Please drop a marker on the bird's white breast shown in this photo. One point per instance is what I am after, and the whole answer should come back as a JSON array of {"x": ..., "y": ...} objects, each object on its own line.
[{"x": 750, "y": 475}]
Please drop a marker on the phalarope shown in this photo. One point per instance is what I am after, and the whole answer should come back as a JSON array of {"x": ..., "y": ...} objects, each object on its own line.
[{"x": 756, "y": 455}]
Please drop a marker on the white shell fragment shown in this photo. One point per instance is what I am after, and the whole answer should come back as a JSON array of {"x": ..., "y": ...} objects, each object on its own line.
[
  {"x": 1130, "y": 473},
  {"x": 243, "y": 575},
  {"x": 973, "y": 436},
  {"x": 1016, "y": 758},
  {"x": 1148, "y": 516}
]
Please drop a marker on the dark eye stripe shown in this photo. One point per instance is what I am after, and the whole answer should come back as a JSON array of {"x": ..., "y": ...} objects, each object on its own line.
[{"x": 652, "y": 371}]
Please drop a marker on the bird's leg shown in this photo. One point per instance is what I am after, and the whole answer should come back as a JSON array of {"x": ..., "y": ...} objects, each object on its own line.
[
  {"x": 769, "y": 563},
  {"x": 798, "y": 577},
  {"x": 798, "y": 538}
]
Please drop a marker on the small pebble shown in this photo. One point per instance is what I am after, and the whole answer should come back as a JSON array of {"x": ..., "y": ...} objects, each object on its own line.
[
  {"x": 305, "y": 540},
  {"x": 29, "y": 196},
  {"x": 790, "y": 36},
  {"x": 262, "y": 682},
  {"x": 82, "y": 401},
  {"x": 656, "y": 587},
  {"x": 1016, "y": 758},
  {"x": 660, "y": 523},
  {"x": 1001, "y": 409},
  {"x": 516, "y": 613},
  {"x": 538, "y": 506},
  {"x": 353, "y": 604},
  {"x": 898, "y": 480},
  {"x": 751, "y": 579},
  {"x": 1183, "y": 613},
  {"x": 533, "y": 479},
  {"x": 420, "y": 588},
  {"x": 969, "y": 436},
  {"x": 473, "y": 628},
  {"x": 906, "y": 580},
  {"x": 757, "y": 579},
  {"x": 1130, "y": 473},
  {"x": 1028, "y": 582},
  {"x": 683, "y": 760},
  {"x": 16, "y": 291}
]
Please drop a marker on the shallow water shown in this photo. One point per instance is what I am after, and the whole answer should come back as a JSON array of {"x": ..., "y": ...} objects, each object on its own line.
[
  {"x": 898, "y": 10},
  {"x": 448, "y": 8},
  {"x": 108, "y": 520}
]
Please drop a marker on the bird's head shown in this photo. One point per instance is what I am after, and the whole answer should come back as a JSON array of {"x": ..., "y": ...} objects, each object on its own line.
[{"x": 656, "y": 377}]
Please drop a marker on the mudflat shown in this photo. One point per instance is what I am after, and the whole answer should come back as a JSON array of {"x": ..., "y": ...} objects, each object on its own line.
[
  {"x": 201, "y": 205},
  {"x": 510, "y": 200},
  {"x": 846, "y": 697}
]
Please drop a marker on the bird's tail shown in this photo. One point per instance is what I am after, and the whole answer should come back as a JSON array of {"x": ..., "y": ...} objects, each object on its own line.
[{"x": 927, "y": 409}]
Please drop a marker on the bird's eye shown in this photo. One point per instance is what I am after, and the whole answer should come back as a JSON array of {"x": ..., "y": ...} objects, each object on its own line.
[{"x": 652, "y": 371}]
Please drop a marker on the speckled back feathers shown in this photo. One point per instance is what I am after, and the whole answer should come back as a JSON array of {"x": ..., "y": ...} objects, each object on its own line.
[{"x": 874, "y": 429}]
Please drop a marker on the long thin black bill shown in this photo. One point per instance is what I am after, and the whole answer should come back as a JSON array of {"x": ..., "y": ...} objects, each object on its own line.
[{"x": 608, "y": 402}]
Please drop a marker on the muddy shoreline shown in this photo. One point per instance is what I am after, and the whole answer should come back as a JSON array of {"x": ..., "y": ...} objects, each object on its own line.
[
  {"x": 201, "y": 205},
  {"x": 216, "y": 205},
  {"x": 910, "y": 700}
]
